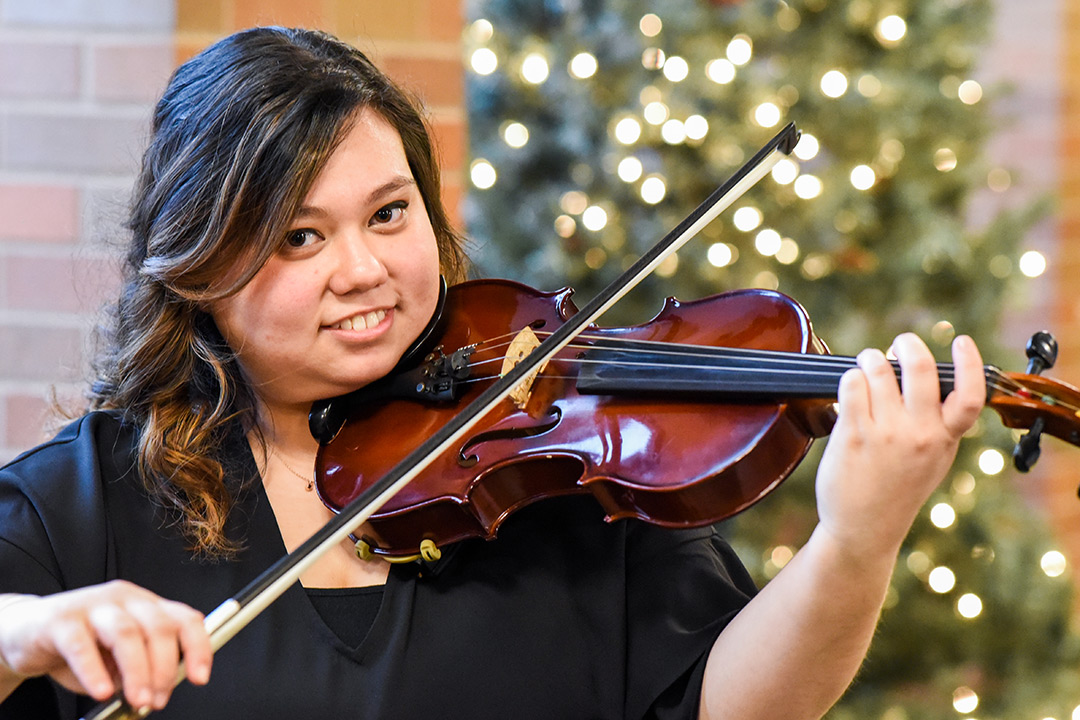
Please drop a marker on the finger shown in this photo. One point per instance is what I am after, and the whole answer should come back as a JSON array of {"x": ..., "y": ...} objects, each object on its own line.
[
  {"x": 919, "y": 377},
  {"x": 853, "y": 395},
  {"x": 160, "y": 631},
  {"x": 968, "y": 396},
  {"x": 121, "y": 635},
  {"x": 194, "y": 642},
  {"x": 75, "y": 642},
  {"x": 883, "y": 392}
]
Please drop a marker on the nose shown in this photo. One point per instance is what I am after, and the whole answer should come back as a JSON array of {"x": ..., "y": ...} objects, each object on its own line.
[{"x": 358, "y": 266}]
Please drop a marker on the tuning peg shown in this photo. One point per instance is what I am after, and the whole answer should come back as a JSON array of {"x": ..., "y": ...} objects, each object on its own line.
[
  {"x": 1042, "y": 350},
  {"x": 1026, "y": 452}
]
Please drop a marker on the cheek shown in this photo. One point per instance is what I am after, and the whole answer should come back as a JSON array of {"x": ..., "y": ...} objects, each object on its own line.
[{"x": 266, "y": 310}]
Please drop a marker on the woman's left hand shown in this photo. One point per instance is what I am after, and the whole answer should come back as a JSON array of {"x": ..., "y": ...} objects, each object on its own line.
[{"x": 893, "y": 443}]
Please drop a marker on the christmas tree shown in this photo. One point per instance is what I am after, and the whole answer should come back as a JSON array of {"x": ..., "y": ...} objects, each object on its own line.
[{"x": 596, "y": 126}]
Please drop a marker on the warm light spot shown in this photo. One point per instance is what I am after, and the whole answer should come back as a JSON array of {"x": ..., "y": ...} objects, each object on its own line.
[
  {"x": 721, "y": 254},
  {"x": 767, "y": 114},
  {"x": 963, "y": 483},
  {"x": 673, "y": 132},
  {"x": 808, "y": 187},
  {"x": 668, "y": 265},
  {"x": 919, "y": 563},
  {"x": 655, "y": 113},
  {"x": 785, "y": 171},
  {"x": 482, "y": 174},
  {"x": 767, "y": 242},
  {"x": 515, "y": 134},
  {"x": 483, "y": 61},
  {"x": 747, "y": 218},
  {"x": 574, "y": 202},
  {"x": 943, "y": 332},
  {"x": 781, "y": 555},
  {"x": 595, "y": 258},
  {"x": 653, "y": 189},
  {"x": 863, "y": 177},
  {"x": 999, "y": 180},
  {"x": 941, "y": 579},
  {"x": 676, "y": 69},
  {"x": 696, "y": 126},
  {"x": 739, "y": 50},
  {"x": 1032, "y": 263},
  {"x": 653, "y": 58},
  {"x": 969, "y": 605},
  {"x": 788, "y": 252},
  {"x": 1053, "y": 563},
  {"x": 788, "y": 18},
  {"x": 594, "y": 218},
  {"x": 964, "y": 700},
  {"x": 481, "y": 31},
  {"x": 650, "y": 25},
  {"x": 816, "y": 266},
  {"x": 834, "y": 84},
  {"x": 970, "y": 92},
  {"x": 991, "y": 461},
  {"x": 534, "y": 68},
  {"x": 627, "y": 131},
  {"x": 720, "y": 71},
  {"x": 807, "y": 147},
  {"x": 765, "y": 280},
  {"x": 583, "y": 65},
  {"x": 890, "y": 30},
  {"x": 942, "y": 515},
  {"x": 868, "y": 86},
  {"x": 630, "y": 169},
  {"x": 565, "y": 226},
  {"x": 945, "y": 159},
  {"x": 892, "y": 150}
]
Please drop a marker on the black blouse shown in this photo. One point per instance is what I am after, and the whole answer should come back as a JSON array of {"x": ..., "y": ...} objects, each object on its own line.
[{"x": 563, "y": 616}]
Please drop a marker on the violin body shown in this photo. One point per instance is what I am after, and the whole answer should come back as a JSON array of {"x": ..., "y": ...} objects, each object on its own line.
[{"x": 669, "y": 457}]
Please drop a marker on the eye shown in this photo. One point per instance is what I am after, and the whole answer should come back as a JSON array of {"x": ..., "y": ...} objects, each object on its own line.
[
  {"x": 390, "y": 213},
  {"x": 301, "y": 237}
]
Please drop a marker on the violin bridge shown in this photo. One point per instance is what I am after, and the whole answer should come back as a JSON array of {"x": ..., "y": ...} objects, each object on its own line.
[{"x": 522, "y": 344}]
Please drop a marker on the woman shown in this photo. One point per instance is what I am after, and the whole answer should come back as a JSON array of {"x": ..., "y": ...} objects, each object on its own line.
[{"x": 287, "y": 238}]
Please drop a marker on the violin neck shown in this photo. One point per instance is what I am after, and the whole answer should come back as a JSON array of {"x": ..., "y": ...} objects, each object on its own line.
[{"x": 631, "y": 366}]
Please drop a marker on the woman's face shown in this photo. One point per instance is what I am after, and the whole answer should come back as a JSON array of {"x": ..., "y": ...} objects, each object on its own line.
[{"x": 354, "y": 285}]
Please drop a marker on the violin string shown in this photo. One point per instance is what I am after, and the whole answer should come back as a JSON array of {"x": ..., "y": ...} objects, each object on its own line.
[{"x": 822, "y": 363}]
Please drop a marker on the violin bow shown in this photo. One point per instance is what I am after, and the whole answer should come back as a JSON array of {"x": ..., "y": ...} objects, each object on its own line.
[{"x": 235, "y": 613}]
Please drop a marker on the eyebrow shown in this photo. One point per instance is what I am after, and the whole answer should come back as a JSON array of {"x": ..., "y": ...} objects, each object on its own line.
[{"x": 387, "y": 188}]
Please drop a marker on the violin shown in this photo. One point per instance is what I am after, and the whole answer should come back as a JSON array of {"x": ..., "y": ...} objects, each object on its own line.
[
  {"x": 579, "y": 366},
  {"x": 682, "y": 421}
]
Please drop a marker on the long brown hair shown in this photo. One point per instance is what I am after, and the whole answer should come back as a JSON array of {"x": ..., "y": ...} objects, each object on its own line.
[{"x": 240, "y": 134}]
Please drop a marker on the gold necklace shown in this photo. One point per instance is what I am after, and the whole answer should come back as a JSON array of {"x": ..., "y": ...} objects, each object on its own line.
[{"x": 309, "y": 479}]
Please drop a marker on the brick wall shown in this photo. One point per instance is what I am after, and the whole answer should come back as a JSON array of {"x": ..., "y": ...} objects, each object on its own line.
[
  {"x": 1060, "y": 462},
  {"x": 77, "y": 82},
  {"x": 417, "y": 42}
]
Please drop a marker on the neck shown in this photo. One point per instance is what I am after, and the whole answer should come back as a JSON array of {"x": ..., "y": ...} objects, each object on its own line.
[{"x": 284, "y": 428}]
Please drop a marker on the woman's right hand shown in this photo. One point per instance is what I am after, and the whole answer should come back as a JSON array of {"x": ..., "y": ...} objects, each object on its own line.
[{"x": 99, "y": 639}]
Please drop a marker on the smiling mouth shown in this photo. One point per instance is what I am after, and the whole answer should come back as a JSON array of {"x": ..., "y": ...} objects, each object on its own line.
[{"x": 362, "y": 321}]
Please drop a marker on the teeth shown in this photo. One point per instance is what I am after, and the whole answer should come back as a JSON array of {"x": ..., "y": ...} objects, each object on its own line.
[{"x": 363, "y": 321}]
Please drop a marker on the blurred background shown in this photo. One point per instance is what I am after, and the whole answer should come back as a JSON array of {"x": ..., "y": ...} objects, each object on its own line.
[{"x": 933, "y": 191}]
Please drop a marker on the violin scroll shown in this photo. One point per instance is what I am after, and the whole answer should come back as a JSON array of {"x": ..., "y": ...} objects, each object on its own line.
[{"x": 1035, "y": 403}]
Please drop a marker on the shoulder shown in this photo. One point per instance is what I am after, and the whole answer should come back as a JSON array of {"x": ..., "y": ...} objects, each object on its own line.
[
  {"x": 52, "y": 502},
  {"x": 75, "y": 442}
]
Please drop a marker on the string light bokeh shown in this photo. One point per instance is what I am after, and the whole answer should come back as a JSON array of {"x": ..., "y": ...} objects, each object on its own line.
[{"x": 633, "y": 120}]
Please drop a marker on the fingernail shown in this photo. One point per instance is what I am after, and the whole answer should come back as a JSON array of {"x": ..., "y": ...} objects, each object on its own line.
[{"x": 160, "y": 700}]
